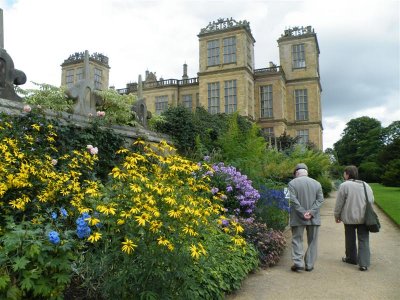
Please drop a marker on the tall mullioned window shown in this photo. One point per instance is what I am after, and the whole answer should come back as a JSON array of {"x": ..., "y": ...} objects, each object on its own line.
[
  {"x": 303, "y": 136},
  {"x": 212, "y": 52},
  {"x": 230, "y": 96},
  {"x": 187, "y": 101},
  {"x": 69, "y": 78},
  {"x": 229, "y": 50},
  {"x": 213, "y": 98},
  {"x": 79, "y": 74},
  {"x": 161, "y": 104},
  {"x": 301, "y": 99},
  {"x": 266, "y": 101},
  {"x": 298, "y": 56},
  {"x": 98, "y": 79}
]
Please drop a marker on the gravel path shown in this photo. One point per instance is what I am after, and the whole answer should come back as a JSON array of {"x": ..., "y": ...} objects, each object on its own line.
[{"x": 331, "y": 278}]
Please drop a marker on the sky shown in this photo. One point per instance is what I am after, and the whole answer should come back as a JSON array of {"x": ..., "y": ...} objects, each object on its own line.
[{"x": 359, "y": 43}]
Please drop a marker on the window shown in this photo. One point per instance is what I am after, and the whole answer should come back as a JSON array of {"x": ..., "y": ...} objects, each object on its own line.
[
  {"x": 187, "y": 101},
  {"x": 301, "y": 104},
  {"x": 303, "y": 134},
  {"x": 266, "y": 101},
  {"x": 299, "y": 58},
  {"x": 69, "y": 78},
  {"x": 161, "y": 104},
  {"x": 212, "y": 53},
  {"x": 229, "y": 50},
  {"x": 98, "y": 79},
  {"x": 268, "y": 131},
  {"x": 213, "y": 98},
  {"x": 230, "y": 96},
  {"x": 79, "y": 74}
]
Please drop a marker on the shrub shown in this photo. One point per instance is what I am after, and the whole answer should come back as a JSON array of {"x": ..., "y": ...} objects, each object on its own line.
[
  {"x": 273, "y": 209},
  {"x": 158, "y": 210},
  {"x": 269, "y": 243},
  {"x": 326, "y": 185},
  {"x": 391, "y": 177},
  {"x": 240, "y": 197}
]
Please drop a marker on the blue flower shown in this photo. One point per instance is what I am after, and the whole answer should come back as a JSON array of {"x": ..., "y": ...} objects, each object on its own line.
[
  {"x": 83, "y": 230},
  {"x": 54, "y": 215},
  {"x": 63, "y": 212},
  {"x": 54, "y": 238}
]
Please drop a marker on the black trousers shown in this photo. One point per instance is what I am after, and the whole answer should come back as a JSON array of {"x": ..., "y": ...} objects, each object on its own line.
[{"x": 362, "y": 237}]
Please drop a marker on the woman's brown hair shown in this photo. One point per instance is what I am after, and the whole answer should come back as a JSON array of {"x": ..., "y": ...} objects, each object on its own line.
[{"x": 352, "y": 171}]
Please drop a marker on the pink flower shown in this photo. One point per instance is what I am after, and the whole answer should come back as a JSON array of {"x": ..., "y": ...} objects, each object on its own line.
[
  {"x": 101, "y": 113},
  {"x": 27, "y": 108},
  {"x": 89, "y": 147},
  {"x": 54, "y": 161},
  {"x": 94, "y": 151}
]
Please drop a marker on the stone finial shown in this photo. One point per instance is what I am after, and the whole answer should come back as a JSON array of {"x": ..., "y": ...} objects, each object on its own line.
[
  {"x": 82, "y": 91},
  {"x": 9, "y": 76}
]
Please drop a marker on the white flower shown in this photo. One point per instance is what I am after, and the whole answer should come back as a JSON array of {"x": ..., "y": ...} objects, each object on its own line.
[
  {"x": 94, "y": 151},
  {"x": 89, "y": 147},
  {"x": 27, "y": 108},
  {"x": 101, "y": 113},
  {"x": 54, "y": 161}
]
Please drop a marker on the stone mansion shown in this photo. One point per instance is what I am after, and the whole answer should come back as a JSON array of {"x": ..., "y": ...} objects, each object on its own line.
[{"x": 285, "y": 97}]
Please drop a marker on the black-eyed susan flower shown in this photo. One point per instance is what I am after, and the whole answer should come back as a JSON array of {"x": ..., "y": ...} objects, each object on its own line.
[{"x": 128, "y": 246}]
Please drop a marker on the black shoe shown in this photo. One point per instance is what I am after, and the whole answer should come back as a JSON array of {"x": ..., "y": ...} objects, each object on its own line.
[
  {"x": 295, "y": 268},
  {"x": 348, "y": 261},
  {"x": 363, "y": 268},
  {"x": 309, "y": 269}
]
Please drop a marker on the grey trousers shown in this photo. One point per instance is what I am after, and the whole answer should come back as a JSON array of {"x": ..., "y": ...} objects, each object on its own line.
[
  {"x": 298, "y": 256},
  {"x": 363, "y": 257}
]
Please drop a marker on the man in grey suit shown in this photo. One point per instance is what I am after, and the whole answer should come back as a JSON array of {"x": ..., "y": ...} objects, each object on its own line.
[{"x": 306, "y": 198}]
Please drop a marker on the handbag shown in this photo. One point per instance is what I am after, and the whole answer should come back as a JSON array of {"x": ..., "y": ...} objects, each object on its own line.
[{"x": 371, "y": 218}]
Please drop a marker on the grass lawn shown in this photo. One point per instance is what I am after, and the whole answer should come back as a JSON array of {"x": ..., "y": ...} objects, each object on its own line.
[{"x": 388, "y": 199}]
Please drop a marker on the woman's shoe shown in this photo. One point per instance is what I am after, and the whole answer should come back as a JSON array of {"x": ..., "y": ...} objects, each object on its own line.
[
  {"x": 363, "y": 268},
  {"x": 348, "y": 261}
]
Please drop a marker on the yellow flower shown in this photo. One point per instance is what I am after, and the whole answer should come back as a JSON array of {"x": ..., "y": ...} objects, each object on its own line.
[
  {"x": 194, "y": 252},
  {"x": 92, "y": 221},
  {"x": 106, "y": 210},
  {"x": 120, "y": 222},
  {"x": 36, "y": 127},
  {"x": 142, "y": 219},
  {"x": 238, "y": 241},
  {"x": 135, "y": 188},
  {"x": 189, "y": 230},
  {"x": 128, "y": 246},
  {"x": 174, "y": 214},
  {"x": 94, "y": 237}
]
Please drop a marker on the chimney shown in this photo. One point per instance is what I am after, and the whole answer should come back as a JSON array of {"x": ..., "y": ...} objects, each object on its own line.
[{"x": 185, "y": 76}]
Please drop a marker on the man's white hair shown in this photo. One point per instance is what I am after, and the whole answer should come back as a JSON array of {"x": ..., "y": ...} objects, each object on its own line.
[{"x": 301, "y": 172}]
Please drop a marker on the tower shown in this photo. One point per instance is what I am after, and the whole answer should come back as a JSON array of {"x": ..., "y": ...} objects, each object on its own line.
[
  {"x": 94, "y": 69},
  {"x": 226, "y": 83},
  {"x": 299, "y": 59}
]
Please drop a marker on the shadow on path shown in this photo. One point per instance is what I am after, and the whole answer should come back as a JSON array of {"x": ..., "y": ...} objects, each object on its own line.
[{"x": 331, "y": 278}]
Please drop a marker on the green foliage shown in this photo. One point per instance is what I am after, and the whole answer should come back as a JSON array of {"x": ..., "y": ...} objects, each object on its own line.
[
  {"x": 48, "y": 97},
  {"x": 361, "y": 140},
  {"x": 387, "y": 198},
  {"x": 243, "y": 148},
  {"x": 369, "y": 171},
  {"x": 118, "y": 108},
  {"x": 32, "y": 267},
  {"x": 326, "y": 185},
  {"x": 391, "y": 177},
  {"x": 269, "y": 243},
  {"x": 179, "y": 124}
]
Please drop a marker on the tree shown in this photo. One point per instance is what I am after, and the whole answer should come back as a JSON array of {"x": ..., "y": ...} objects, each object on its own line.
[{"x": 361, "y": 141}]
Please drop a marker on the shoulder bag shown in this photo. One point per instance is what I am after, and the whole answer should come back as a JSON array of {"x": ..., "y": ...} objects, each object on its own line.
[{"x": 371, "y": 218}]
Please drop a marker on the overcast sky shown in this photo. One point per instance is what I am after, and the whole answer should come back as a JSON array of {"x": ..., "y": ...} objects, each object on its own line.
[{"x": 359, "y": 43}]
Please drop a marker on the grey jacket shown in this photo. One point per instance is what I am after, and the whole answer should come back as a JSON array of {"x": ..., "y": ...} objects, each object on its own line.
[
  {"x": 305, "y": 195},
  {"x": 350, "y": 202}
]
